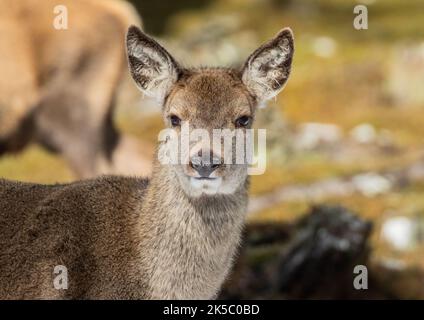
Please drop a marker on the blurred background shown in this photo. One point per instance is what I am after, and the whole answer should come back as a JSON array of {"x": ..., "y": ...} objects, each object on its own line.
[{"x": 345, "y": 137}]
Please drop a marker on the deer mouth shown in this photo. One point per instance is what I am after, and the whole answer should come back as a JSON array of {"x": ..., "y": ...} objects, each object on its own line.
[
  {"x": 205, "y": 178},
  {"x": 206, "y": 185}
]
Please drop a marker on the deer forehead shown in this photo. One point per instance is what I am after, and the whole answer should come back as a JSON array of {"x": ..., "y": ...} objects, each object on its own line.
[{"x": 210, "y": 96}]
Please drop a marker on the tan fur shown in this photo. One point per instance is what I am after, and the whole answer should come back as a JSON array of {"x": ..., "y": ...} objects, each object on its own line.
[
  {"x": 58, "y": 87},
  {"x": 129, "y": 238}
]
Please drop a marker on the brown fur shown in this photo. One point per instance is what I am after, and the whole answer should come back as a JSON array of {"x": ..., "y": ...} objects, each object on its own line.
[
  {"x": 58, "y": 87},
  {"x": 130, "y": 238}
]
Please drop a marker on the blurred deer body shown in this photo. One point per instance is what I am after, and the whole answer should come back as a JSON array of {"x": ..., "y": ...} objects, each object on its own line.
[
  {"x": 173, "y": 237},
  {"x": 58, "y": 86}
]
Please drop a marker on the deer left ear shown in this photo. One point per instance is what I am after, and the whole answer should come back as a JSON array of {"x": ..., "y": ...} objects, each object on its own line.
[
  {"x": 267, "y": 69},
  {"x": 153, "y": 69}
]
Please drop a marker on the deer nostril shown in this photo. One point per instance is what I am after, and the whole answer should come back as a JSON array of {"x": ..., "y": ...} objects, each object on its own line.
[
  {"x": 215, "y": 165},
  {"x": 194, "y": 165},
  {"x": 196, "y": 162}
]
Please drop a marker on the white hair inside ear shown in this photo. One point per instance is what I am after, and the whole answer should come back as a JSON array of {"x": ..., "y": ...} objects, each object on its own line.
[
  {"x": 267, "y": 70},
  {"x": 153, "y": 69}
]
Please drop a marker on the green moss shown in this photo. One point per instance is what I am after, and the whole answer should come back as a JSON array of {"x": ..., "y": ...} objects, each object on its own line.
[{"x": 35, "y": 165}]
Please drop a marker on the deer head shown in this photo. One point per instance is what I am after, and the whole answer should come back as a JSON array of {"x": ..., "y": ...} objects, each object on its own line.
[{"x": 209, "y": 99}]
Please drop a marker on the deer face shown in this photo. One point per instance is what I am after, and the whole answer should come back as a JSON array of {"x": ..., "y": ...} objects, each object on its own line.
[{"x": 208, "y": 108}]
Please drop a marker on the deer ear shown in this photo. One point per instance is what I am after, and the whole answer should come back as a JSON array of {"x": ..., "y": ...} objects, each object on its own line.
[
  {"x": 267, "y": 69},
  {"x": 153, "y": 69}
]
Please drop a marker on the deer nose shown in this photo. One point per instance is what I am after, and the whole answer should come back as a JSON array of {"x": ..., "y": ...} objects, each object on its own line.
[{"x": 204, "y": 167}]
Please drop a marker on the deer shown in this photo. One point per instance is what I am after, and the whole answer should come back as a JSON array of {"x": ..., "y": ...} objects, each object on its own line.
[
  {"x": 171, "y": 236},
  {"x": 59, "y": 87}
]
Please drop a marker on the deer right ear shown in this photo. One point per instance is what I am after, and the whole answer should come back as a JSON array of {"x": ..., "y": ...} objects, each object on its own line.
[
  {"x": 267, "y": 69},
  {"x": 152, "y": 67}
]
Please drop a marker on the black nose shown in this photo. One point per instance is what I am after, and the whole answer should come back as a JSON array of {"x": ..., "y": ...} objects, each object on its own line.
[{"x": 204, "y": 167}]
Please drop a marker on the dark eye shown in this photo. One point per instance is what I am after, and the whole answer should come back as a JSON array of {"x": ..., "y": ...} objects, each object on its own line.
[
  {"x": 175, "y": 121},
  {"x": 243, "y": 121}
]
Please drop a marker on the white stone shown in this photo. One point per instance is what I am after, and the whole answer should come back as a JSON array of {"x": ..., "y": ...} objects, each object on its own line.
[
  {"x": 363, "y": 133},
  {"x": 371, "y": 184},
  {"x": 398, "y": 232},
  {"x": 312, "y": 134},
  {"x": 324, "y": 47}
]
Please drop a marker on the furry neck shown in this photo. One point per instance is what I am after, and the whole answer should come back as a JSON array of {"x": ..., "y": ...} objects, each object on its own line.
[{"x": 192, "y": 240}]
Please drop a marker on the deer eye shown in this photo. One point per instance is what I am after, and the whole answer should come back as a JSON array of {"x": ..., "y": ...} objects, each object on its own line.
[
  {"x": 175, "y": 121},
  {"x": 243, "y": 121}
]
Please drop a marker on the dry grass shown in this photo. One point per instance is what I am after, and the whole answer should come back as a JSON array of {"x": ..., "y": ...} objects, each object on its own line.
[{"x": 35, "y": 165}]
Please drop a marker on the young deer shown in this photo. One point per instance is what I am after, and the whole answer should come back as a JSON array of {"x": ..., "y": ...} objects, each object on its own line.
[{"x": 173, "y": 237}]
